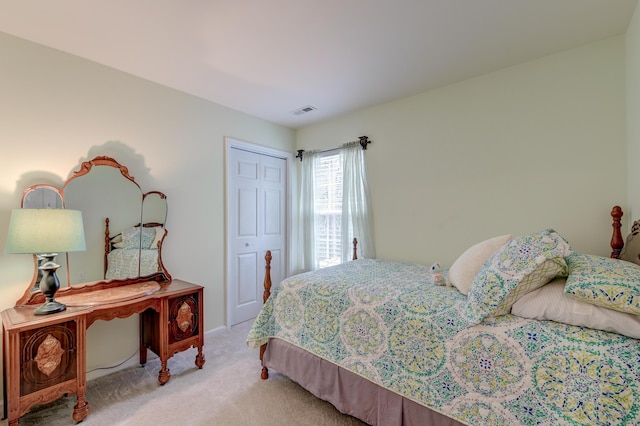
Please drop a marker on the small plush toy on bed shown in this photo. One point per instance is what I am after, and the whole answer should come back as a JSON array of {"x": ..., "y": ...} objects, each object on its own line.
[{"x": 437, "y": 274}]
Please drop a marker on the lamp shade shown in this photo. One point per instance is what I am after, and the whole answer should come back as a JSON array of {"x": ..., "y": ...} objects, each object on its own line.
[{"x": 45, "y": 231}]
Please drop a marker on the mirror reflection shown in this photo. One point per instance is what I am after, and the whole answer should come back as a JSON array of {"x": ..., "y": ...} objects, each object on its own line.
[
  {"x": 154, "y": 207},
  {"x": 102, "y": 193},
  {"x": 124, "y": 228},
  {"x": 42, "y": 197},
  {"x": 136, "y": 251}
]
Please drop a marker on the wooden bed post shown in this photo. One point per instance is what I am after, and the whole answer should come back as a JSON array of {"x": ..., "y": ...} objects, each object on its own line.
[
  {"x": 355, "y": 249},
  {"x": 267, "y": 293},
  {"x": 616, "y": 239},
  {"x": 107, "y": 245}
]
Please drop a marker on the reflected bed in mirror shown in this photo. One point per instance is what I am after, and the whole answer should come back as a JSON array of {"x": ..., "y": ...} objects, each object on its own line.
[
  {"x": 134, "y": 252},
  {"x": 114, "y": 210}
]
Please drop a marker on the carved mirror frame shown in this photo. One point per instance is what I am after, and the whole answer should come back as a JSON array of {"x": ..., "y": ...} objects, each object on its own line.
[{"x": 102, "y": 226}]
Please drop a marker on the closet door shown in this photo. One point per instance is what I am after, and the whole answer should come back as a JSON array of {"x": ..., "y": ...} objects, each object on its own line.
[{"x": 257, "y": 196}]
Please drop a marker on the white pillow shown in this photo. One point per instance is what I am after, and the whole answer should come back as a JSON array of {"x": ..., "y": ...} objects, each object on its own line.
[
  {"x": 551, "y": 303},
  {"x": 158, "y": 237},
  {"x": 467, "y": 266}
]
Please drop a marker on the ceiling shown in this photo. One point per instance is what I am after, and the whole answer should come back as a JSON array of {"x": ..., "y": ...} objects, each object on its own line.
[{"x": 269, "y": 58}]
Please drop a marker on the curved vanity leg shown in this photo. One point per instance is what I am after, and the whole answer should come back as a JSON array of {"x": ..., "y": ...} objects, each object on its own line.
[
  {"x": 143, "y": 346},
  {"x": 143, "y": 354},
  {"x": 164, "y": 375},
  {"x": 200, "y": 358},
  {"x": 81, "y": 409}
]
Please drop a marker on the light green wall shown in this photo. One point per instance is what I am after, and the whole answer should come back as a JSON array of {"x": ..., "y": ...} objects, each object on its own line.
[
  {"x": 537, "y": 145},
  {"x": 633, "y": 115},
  {"x": 58, "y": 110}
]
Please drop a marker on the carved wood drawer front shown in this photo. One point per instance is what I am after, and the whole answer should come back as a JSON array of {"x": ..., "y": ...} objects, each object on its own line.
[
  {"x": 183, "y": 317},
  {"x": 48, "y": 356}
]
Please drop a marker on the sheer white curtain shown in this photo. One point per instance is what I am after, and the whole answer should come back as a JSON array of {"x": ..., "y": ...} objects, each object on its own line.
[
  {"x": 357, "y": 214},
  {"x": 306, "y": 215}
]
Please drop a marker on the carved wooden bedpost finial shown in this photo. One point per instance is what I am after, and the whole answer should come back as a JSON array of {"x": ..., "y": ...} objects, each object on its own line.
[{"x": 616, "y": 239}]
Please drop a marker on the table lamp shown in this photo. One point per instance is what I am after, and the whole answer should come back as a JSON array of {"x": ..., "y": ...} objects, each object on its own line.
[{"x": 46, "y": 232}]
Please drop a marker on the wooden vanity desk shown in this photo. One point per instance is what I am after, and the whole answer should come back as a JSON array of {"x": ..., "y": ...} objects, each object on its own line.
[{"x": 45, "y": 355}]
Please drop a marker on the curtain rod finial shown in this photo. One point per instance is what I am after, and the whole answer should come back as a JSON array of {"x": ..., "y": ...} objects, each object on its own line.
[
  {"x": 300, "y": 152},
  {"x": 364, "y": 141}
]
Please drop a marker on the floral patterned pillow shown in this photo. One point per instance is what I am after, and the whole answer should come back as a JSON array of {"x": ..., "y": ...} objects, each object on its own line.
[
  {"x": 602, "y": 281},
  {"x": 131, "y": 238},
  {"x": 522, "y": 265}
]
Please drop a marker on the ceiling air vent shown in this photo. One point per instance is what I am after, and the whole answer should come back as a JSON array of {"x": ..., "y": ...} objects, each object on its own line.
[{"x": 303, "y": 110}]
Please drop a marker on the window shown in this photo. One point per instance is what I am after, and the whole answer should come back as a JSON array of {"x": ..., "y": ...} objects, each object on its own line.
[
  {"x": 334, "y": 208},
  {"x": 328, "y": 209}
]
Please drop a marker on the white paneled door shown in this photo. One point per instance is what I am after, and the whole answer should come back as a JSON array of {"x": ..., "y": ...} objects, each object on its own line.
[{"x": 257, "y": 209}]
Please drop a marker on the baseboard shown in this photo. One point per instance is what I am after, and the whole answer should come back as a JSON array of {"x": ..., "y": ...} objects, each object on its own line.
[
  {"x": 216, "y": 330},
  {"x": 134, "y": 360}
]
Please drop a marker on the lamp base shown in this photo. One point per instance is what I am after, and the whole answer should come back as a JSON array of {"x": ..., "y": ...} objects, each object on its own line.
[
  {"x": 50, "y": 307},
  {"x": 49, "y": 284}
]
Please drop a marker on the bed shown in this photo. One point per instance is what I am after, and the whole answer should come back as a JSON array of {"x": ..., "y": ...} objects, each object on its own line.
[
  {"x": 528, "y": 332},
  {"x": 134, "y": 252}
]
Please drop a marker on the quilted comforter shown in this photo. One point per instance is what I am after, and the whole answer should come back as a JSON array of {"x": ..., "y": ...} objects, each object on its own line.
[
  {"x": 131, "y": 263},
  {"x": 389, "y": 323}
]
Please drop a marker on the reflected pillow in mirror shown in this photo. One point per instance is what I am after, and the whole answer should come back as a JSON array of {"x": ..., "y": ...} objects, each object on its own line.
[
  {"x": 131, "y": 238},
  {"x": 159, "y": 234}
]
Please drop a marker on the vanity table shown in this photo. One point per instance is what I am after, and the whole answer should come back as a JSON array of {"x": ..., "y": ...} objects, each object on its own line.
[{"x": 44, "y": 356}]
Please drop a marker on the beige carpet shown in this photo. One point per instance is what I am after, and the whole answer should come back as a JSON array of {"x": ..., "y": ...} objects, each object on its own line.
[{"x": 227, "y": 391}]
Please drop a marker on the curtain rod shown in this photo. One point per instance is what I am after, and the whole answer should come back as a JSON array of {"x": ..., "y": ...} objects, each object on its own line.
[{"x": 363, "y": 140}]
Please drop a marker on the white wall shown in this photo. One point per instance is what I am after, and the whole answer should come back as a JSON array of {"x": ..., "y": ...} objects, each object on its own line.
[
  {"x": 537, "y": 145},
  {"x": 57, "y": 110},
  {"x": 633, "y": 115}
]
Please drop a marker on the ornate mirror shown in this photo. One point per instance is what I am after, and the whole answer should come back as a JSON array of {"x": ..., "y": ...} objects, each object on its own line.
[
  {"x": 154, "y": 208},
  {"x": 102, "y": 189},
  {"x": 42, "y": 197},
  {"x": 124, "y": 228}
]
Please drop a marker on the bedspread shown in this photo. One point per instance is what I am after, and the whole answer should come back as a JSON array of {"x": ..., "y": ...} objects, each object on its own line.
[{"x": 389, "y": 323}]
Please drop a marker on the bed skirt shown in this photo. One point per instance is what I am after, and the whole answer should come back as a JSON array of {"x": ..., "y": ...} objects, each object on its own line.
[{"x": 348, "y": 392}]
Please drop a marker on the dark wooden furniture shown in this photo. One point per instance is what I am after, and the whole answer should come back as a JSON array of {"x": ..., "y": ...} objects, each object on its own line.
[{"x": 45, "y": 356}]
